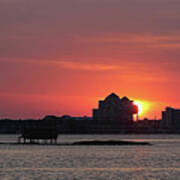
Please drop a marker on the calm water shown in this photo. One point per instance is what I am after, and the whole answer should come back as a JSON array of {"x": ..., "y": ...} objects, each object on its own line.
[{"x": 41, "y": 162}]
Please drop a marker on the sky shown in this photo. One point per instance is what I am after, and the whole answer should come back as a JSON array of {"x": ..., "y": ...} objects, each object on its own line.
[{"x": 61, "y": 57}]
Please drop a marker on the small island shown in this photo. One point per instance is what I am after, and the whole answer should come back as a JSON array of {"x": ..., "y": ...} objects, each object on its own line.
[{"x": 110, "y": 142}]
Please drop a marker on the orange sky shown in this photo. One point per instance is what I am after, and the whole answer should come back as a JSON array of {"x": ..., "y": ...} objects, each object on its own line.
[{"x": 62, "y": 57}]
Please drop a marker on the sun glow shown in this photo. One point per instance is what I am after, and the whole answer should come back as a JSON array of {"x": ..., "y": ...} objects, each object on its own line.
[
  {"x": 140, "y": 108},
  {"x": 143, "y": 107}
]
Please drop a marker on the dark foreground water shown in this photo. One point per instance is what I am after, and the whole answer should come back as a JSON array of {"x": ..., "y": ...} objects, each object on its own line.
[{"x": 42, "y": 162}]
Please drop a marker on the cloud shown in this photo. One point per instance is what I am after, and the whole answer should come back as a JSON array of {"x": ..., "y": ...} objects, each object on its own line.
[
  {"x": 68, "y": 64},
  {"x": 88, "y": 66},
  {"x": 151, "y": 41}
]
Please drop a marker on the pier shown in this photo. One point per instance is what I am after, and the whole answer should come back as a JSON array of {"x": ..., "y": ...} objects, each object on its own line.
[{"x": 38, "y": 135}]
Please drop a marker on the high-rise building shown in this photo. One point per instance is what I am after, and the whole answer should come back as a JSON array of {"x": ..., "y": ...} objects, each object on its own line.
[
  {"x": 171, "y": 118},
  {"x": 114, "y": 108}
]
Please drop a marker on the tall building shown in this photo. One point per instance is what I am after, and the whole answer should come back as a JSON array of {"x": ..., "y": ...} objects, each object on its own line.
[
  {"x": 114, "y": 108},
  {"x": 171, "y": 118}
]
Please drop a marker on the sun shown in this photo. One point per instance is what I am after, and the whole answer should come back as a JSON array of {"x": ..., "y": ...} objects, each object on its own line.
[
  {"x": 143, "y": 107},
  {"x": 140, "y": 108}
]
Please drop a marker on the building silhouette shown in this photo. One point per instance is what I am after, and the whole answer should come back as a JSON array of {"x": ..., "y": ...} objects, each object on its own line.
[
  {"x": 113, "y": 115},
  {"x": 171, "y": 118},
  {"x": 114, "y": 108}
]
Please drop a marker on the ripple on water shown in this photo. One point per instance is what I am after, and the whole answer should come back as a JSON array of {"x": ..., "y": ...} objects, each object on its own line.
[{"x": 160, "y": 161}]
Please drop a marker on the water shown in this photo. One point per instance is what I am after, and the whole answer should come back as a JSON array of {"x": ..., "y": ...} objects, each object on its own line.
[{"x": 43, "y": 162}]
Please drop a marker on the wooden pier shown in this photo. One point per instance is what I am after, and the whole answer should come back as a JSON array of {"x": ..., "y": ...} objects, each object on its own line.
[{"x": 38, "y": 135}]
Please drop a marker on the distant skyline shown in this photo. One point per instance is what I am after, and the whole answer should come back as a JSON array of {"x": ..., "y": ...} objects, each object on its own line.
[{"x": 61, "y": 57}]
